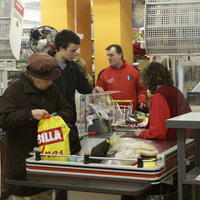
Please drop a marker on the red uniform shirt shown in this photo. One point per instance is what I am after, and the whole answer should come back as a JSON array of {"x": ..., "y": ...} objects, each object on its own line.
[
  {"x": 125, "y": 79},
  {"x": 159, "y": 112},
  {"x": 167, "y": 102}
]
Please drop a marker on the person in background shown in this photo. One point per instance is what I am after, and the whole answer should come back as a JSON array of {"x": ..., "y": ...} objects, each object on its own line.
[
  {"x": 24, "y": 103},
  {"x": 167, "y": 102},
  {"x": 120, "y": 76},
  {"x": 81, "y": 62},
  {"x": 83, "y": 67},
  {"x": 35, "y": 36},
  {"x": 42, "y": 42}
]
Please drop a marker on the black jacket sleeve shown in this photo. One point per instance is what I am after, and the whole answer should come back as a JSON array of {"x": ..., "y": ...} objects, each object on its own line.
[{"x": 64, "y": 109}]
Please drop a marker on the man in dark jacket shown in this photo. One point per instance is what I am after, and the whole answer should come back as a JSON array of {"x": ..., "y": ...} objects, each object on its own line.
[
  {"x": 23, "y": 104},
  {"x": 71, "y": 79}
]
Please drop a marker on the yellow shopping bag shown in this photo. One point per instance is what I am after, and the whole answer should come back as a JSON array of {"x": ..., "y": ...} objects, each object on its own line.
[{"x": 53, "y": 138}]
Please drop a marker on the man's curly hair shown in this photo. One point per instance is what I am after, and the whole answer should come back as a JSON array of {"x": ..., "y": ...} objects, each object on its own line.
[{"x": 156, "y": 74}]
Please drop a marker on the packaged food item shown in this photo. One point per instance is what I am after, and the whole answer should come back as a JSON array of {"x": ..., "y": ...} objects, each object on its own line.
[{"x": 129, "y": 148}]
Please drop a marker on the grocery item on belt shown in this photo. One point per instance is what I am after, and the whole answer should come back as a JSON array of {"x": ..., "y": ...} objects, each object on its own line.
[{"x": 129, "y": 148}]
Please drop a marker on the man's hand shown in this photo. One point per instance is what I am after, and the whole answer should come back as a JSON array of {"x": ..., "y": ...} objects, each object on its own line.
[
  {"x": 97, "y": 89},
  {"x": 39, "y": 114}
]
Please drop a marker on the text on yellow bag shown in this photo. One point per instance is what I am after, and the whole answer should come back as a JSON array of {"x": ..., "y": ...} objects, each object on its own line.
[{"x": 53, "y": 138}]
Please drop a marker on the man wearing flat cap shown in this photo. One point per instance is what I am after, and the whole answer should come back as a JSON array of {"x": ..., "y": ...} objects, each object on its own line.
[{"x": 22, "y": 105}]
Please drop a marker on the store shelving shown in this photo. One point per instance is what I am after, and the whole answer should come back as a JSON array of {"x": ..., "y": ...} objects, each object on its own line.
[
  {"x": 5, "y": 18},
  {"x": 172, "y": 27}
]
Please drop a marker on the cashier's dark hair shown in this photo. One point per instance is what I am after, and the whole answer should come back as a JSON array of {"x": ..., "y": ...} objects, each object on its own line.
[{"x": 156, "y": 74}]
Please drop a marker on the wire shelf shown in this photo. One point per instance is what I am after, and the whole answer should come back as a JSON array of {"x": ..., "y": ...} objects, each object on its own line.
[
  {"x": 5, "y": 6},
  {"x": 4, "y": 28},
  {"x": 172, "y": 27}
]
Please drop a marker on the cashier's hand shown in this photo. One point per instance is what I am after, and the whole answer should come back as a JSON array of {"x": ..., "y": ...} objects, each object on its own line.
[
  {"x": 39, "y": 114},
  {"x": 97, "y": 89},
  {"x": 138, "y": 131}
]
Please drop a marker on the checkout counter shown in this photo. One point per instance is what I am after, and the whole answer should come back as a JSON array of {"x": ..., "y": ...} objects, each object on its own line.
[
  {"x": 90, "y": 170},
  {"x": 86, "y": 174}
]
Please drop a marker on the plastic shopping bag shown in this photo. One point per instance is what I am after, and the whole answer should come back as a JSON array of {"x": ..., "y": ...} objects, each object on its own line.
[{"x": 53, "y": 138}]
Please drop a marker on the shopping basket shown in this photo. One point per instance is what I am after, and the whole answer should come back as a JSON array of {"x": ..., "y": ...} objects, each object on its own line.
[{"x": 121, "y": 109}]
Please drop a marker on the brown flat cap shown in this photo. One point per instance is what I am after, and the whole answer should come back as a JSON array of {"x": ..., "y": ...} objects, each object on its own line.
[{"x": 43, "y": 66}]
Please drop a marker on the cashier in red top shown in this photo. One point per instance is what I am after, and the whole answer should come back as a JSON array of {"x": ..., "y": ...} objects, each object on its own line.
[
  {"x": 167, "y": 102},
  {"x": 120, "y": 76}
]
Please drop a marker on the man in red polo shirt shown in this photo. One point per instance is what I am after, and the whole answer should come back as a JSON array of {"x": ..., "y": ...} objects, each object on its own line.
[{"x": 120, "y": 76}]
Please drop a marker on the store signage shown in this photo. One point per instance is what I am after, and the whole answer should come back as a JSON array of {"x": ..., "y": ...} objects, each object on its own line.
[{"x": 18, "y": 7}]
